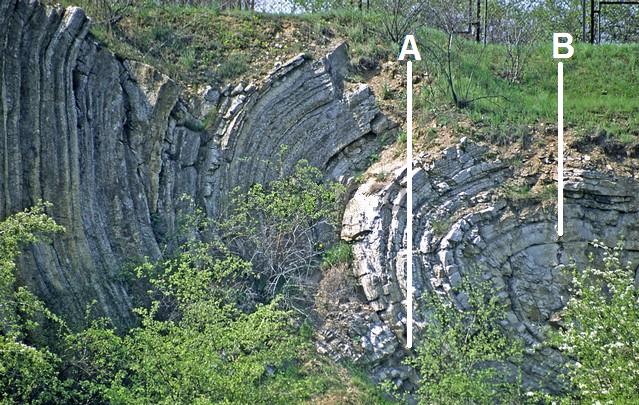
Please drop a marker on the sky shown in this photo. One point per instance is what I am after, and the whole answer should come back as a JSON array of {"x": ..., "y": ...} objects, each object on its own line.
[{"x": 274, "y": 6}]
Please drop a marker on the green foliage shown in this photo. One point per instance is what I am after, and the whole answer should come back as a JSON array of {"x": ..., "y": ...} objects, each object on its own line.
[
  {"x": 195, "y": 43},
  {"x": 440, "y": 226},
  {"x": 17, "y": 305},
  {"x": 465, "y": 356},
  {"x": 204, "y": 339},
  {"x": 500, "y": 106},
  {"x": 402, "y": 138},
  {"x": 197, "y": 271},
  {"x": 204, "y": 351},
  {"x": 194, "y": 345},
  {"x": 213, "y": 354},
  {"x": 602, "y": 330},
  {"x": 509, "y": 83},
  {"x": 94, "y": 357},
  {"x": 300, "y": 197},
  {"x": 315, "y": 6},
  {"x": 236, "y": 65},
  {"x": 106, "y": 13},
  {"x": 27, "y": 374},
  {"x": 277, "y": 227},
  {"x": 341, "y": 252},
  {"x": 517, "y": 191}
]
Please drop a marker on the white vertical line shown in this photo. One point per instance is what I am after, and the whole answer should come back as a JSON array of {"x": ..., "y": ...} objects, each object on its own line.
[
  {"x": 560, "y": 149},
  {"x": 409, "y": 204}
]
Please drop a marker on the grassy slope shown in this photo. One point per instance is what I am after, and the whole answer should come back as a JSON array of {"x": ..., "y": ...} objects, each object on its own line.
[
  {"x": 601, "y": 90},
  {"x": 198, "y": 45}
]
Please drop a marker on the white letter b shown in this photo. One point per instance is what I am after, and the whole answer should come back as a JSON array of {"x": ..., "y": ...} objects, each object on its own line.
[{"x": 567, "y": 44}]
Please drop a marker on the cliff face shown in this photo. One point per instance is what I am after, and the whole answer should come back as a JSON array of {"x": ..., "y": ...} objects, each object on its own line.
[
  {"x": 467, "y": 230},
  {"x": 113, "y": 146}
]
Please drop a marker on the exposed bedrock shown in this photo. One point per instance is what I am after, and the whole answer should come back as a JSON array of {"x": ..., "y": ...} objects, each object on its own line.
[
  {"x": 114, "y": 145},
  {"x": 465, "y": 225}
]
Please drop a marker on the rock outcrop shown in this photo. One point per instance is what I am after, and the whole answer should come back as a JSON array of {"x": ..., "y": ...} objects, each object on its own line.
[
  {"x": 467, "y": 229},
  {"x": 113, "y": 144}
]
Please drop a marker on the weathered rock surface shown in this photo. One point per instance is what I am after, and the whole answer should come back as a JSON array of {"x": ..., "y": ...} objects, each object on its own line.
[
  {"x": 463, "y": 226},
  {"x": 113, "y": 146}
]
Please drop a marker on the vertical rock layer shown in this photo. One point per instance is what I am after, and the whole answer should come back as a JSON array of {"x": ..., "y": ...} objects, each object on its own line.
[{"x": 113, "y": 146}]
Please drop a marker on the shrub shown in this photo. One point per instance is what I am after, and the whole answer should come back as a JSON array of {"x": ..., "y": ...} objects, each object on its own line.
[
  {"x": 464, "y": 355},
  {"x": 28, "y": 374},
  {"x": 193, "y": 345},
  {"x": 602, "y": 329},
  {"x": 18, "y": 306},
  {"x": 278, "y": 227},
  {"x": 339, "y": 253}
]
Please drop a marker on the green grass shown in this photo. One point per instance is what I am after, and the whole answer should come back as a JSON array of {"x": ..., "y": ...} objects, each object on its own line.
[
  {"x": 198, "y": 44},
  {"x": 522, "y": 192},
  {"x": 441, "y": 226},
  {"x": 341, "y": 252},
  {"x": 601, "y": 88},
  {"x": 517, "y": 192}
]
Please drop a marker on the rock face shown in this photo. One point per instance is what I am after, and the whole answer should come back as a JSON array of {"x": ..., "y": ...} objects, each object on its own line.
[
  {"x": 113, "y": 145},
  {"x": 465, "y": 226}
]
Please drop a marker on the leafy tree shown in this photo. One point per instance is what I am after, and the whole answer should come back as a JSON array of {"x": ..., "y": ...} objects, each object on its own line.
[
  {"x": 558, "y": 16},
  {"x": 602, "y": 330},
  {"x": 465, "y": 356},
  {"x": 620, "y": 23},
  {"x": 514, "y": 26},
  {"x": 27, "y": 374}
]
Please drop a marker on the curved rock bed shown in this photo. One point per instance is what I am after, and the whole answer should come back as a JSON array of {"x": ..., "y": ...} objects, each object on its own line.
[
  {"x": 466, "y": 228},
  {"x": 114, "y": 145}
]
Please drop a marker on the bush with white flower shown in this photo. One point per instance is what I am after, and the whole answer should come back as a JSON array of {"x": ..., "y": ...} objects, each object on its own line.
[{"x": 601, "y": 334}]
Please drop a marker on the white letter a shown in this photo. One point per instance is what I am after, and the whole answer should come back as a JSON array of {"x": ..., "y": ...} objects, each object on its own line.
[{"x": 409, "y": 40}]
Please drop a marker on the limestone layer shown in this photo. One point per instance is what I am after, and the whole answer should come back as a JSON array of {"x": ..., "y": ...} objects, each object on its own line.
[
  {"x": 468, "y": 230},
  {"x": 113, "y": 144}
]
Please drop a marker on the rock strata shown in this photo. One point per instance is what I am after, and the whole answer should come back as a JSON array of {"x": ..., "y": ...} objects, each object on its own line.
[
  {"x": 466, "y": 229},
  {"x": 115, "y": 144}
]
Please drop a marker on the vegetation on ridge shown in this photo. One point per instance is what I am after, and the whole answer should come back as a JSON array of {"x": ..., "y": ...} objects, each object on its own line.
[{"x": 504, "y": 88}]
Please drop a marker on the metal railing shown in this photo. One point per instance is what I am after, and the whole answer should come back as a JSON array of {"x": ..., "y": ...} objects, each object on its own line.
[{"x": 596, "y": 8}]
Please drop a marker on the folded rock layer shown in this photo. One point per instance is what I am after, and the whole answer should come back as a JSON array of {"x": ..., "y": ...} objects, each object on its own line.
[
  {"x": 114, "y": 146},
  {"x": 466, "y": 230}
]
